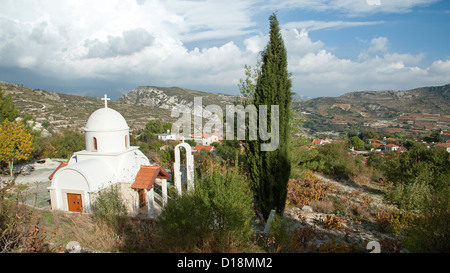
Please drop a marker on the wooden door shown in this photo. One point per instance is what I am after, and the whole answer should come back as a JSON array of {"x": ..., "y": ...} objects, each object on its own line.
[
  {"x": 141, "y": 198},
  {"x": 74, "y": 201}
]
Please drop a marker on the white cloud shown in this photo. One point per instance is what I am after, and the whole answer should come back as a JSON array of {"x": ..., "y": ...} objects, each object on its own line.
[
  {"x": 378, "y": 44},
  {"x": 125, "y": 40},
  {"x": 350, "y": 7},
  {"x": 101, "y": 38},
  {"x": 312, "y": 25},
  {"x": 320, "y": 71}
]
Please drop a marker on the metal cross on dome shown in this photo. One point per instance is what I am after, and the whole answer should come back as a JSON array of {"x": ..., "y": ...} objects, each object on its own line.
[{"x": 106, "y": 99}]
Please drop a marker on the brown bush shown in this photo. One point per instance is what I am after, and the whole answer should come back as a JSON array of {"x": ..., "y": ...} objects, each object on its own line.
[
  {"x": 333, "y": 247},
  {"x": 20, "y": 230},
  {"x": 324, "y": 206},
  {"x": 331, "y": 222},
  {"x": 305, "y": 191}
]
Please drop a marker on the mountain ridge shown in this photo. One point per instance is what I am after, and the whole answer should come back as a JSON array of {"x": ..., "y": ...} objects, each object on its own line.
[
  {"x": 168, "y": 97},
  {"x": 417, "y": 110}
]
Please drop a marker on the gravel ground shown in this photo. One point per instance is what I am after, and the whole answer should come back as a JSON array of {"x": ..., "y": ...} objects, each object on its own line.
[
  {"x": 33, "y": 179},
  {"x": 36, "y": 171}
]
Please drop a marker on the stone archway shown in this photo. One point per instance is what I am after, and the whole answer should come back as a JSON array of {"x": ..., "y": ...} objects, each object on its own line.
[{"x": 189, "y": 167}]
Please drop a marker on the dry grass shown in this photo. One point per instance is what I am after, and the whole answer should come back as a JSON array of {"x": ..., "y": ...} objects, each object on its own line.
[
  {"x": 324, "y": 206},
  {"x": 95, "y": 235}
]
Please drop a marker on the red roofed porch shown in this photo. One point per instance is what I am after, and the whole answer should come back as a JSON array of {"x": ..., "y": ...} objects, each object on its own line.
[
  {"x": 147, "y": 175},
  {"x": 144, "y": 184}
]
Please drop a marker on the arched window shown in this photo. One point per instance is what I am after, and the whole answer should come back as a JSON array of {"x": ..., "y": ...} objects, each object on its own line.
[
  {"x": 94, "y": 144},
  {"x": 126, "y": 142}
]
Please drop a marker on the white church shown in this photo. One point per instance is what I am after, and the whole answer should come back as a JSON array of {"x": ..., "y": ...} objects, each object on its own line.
[{"x": 107, "y": 160}]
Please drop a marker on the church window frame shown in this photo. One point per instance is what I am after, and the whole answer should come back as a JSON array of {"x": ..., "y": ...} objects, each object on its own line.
[{"x": 94, "y": 144}]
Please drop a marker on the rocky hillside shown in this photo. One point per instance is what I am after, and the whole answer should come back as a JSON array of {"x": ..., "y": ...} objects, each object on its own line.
[
  {"x": 56, "y": 111},
  {"x": 414, "y": 111},
  {"x": 168, "y": 97}
]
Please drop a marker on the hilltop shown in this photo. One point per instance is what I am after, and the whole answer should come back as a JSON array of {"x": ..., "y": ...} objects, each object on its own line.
[
  {"x": 168, "y": 97},
  {"x": 413, "y": 111},
  {"x": 416, "y": 111},
  {"x": 58, "y": 111}
]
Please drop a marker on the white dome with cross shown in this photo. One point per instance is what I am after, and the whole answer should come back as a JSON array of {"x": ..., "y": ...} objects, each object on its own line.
[{"x": 107, "y": 131}]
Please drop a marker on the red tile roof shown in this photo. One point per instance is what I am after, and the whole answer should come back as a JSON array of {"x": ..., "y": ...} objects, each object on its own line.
[
  {"x": 63, "y": 164},
  {"x": 146, "y": 177},
  {"x": 201, "y": 135},
  {"x": 446, "y": 145},
  {"x": 203, "y": 147}
]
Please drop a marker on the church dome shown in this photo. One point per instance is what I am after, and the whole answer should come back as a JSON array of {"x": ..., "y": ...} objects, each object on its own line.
[{"x": 106, "y": 119}]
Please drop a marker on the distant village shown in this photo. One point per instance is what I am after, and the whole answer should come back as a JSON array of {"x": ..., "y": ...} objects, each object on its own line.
[
  {"x": 203, "y": 141},
  {"x": 388, "y": 144}
]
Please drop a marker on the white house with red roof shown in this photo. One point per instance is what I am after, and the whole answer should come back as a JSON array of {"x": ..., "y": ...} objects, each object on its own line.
[
  {"x": 391, "y": 147},
  {"x": 208, "y": 148},
  {"x": 445, "y": 146},
  {"x": 317, "y": 141},
  {"x": 107, "y": 160}
]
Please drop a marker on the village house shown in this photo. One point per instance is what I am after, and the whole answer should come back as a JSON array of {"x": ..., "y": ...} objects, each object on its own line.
[
  {"x": 377, "y": 143},
  {"x": 390, "y": 139},
  {"x": 108, "y": 160},
  {"x": 167, "y": 136},
  {"x": 443, "y": 146},
  {"x": 208, "y": 148},
  {"x": 202, "y": 139},
  {"x": 318, "y": 141},
  {"x": 391, "y": 147},
  {"x": 206, "y": 139}
]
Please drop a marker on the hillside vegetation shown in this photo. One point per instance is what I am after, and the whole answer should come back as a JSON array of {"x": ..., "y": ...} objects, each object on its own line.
[
  {"x": 58, "y": 111},
  {"x": 413, "y": 111},
  {"x": 338, "y": 199},
  {"x": 416, "y": 111}
]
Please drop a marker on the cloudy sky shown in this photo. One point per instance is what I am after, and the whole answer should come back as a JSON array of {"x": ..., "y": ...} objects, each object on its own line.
[{"x": 112, "y": 46}]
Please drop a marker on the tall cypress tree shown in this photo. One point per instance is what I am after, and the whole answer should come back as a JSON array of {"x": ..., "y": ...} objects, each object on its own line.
[{"x": 269, "y": 170}]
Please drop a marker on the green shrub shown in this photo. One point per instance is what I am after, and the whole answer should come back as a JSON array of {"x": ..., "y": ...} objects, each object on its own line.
[
  {"x": 408, "y": 197},
  {"x": 281, "y": 233},
  {"x": 334, "y": 159},
  {"x": 430, "y": 232},
  {"x": 400, "y": 221},
  {"x": 431, "y": 167},
  {"x": 357, "y": 143},
  {"x": 185, "y": 223},
  {"x": 109, "y": 206},
  {"x": 63, "y": 145},
  {"x": 217, "y": 216},
  {"x": 397, "y": 221}
]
